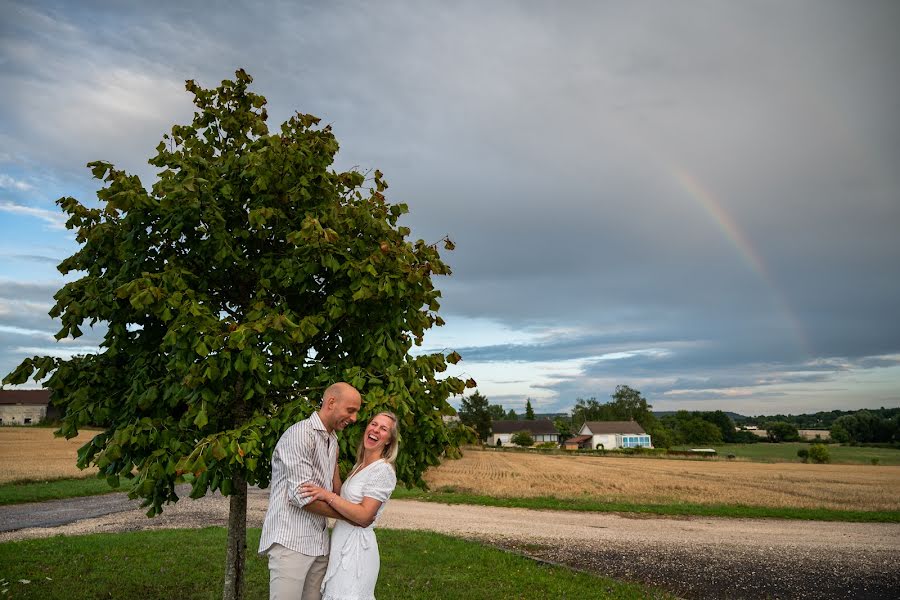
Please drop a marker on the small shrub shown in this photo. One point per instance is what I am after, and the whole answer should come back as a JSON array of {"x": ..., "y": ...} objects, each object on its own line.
[
  {"x": 547, "y": 445},
  {"x": 874, "y": 460},
  {"x": 731, "y": 457},
  {"x": 803, "y": 453},
  {"x": 818, "y": 453},
  {"x": 522, "y": 438}
]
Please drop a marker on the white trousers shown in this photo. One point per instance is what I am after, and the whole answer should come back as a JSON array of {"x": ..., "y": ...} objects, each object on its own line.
[{"x": 295, "y": 576}]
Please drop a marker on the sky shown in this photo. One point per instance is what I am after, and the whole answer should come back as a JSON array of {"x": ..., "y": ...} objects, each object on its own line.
[{"x": 700, "y": 200}]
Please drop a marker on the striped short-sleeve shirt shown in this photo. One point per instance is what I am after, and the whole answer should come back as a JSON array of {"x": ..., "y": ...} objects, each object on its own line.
[{"x": 306, "y": 452}]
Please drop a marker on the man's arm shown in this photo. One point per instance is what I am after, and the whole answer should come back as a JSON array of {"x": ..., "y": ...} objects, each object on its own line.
[{"x": 321, "y": 508}]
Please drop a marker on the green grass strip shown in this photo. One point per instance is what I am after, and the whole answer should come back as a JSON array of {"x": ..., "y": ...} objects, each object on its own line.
[
  {"x": 189, "y": 564},
  {"x": 39, "y": 491},
  {"x": 699, "y": 510}
]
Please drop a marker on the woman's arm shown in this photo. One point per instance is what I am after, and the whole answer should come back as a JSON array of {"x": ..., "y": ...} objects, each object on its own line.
[{"x": 362, "y": 514}]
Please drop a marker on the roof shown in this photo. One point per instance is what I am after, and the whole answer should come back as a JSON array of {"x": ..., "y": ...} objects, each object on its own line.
[
  {"x": 13, "y": 397},
  {"x": 538, "y": 426},
  {"x": 608, "y": 427},
  {"x": 577, "y": 439}
]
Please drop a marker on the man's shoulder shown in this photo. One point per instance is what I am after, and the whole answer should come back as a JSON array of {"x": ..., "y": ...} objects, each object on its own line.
[{"x": 298, "y": 429}]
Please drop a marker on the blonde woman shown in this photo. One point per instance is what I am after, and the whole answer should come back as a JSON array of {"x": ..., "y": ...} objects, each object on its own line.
[{"x": 354, "y": 562}]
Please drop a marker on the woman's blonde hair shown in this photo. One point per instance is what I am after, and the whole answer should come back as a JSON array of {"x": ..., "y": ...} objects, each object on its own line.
[{"x": 390, "y": 450}]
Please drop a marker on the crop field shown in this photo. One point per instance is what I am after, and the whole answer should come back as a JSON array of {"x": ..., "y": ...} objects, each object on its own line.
[
  {"x": 33, "y": 454},
  {"x": 667, "y": 481}
]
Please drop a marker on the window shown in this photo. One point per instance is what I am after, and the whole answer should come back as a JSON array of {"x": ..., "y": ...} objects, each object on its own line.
[
  {"x": 633, "y": 441},
  {"x": 28, "y": 420}
]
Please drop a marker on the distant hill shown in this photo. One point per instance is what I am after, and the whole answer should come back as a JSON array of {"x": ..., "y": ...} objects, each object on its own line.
[{"x": 667, "y": 413}]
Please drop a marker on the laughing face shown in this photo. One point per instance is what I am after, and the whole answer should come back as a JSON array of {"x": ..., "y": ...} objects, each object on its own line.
[{"x": 378, "y": 433}]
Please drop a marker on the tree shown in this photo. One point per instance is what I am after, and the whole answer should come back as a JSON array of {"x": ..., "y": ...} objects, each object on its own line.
[
  {"x": 512, "y": 416},
  {"x": 529, "y": 412},
  {"x": 564, "y": 427},
  {"x": 474, "y": 412},
  {"x": 496, "y": 411},
  {"x": 586, "y": 410},
  {"x": 522, "y": 438},
  {"x": 249, "y": 277},
  {"x": 629, "y": 404},
  {"x": 699, "y": 431},
  {"x": 781, "y": 431},
  {"x": 723, "y": 422}
]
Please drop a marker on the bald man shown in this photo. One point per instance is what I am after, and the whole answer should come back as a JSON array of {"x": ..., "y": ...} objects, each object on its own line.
[{"x": 294, "y": 534}]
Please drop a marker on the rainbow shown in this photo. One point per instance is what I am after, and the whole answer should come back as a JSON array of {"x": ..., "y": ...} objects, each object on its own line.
[{"x": 707, "y": 200}]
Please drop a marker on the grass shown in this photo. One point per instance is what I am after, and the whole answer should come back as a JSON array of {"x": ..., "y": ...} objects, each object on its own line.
[
  {"x": 188, "y": 564},
  {"x": 38, "y": 491},
  {"x": 787, "y": 452},
  {"x": 687, "y": 509}
]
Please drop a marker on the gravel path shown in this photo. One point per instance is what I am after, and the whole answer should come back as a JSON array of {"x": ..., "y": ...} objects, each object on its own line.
[{"x": 695, "y": 558}]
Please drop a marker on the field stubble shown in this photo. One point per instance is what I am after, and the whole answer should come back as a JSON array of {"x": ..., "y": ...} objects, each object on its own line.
[
  {"x": 33, "y": 454},
  {"x": 666, "y": 481}
]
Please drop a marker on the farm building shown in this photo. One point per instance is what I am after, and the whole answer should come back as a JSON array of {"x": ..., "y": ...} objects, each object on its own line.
[
  {"x": 609, "y": 435},
  {"x": 542, "y": 430},
  {"x": 24, "y": 407}
]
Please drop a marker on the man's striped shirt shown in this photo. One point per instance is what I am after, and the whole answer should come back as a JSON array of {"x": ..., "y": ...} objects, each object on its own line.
[{"x": 306, "y": 452}]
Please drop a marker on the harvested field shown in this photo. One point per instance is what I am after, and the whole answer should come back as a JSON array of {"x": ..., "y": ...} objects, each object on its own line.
[
  {"x": 33, "y": 454},
  {"x": 666, "y": 481}
]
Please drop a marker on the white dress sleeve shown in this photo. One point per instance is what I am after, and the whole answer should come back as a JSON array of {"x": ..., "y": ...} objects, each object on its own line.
[{"x": 381, "y": 482}]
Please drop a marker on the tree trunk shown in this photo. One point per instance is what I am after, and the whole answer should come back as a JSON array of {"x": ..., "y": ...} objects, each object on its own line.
[{"x": 236, "y": 551}]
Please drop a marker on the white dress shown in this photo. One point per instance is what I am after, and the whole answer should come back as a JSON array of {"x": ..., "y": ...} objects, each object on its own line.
[{"x": 354, "y": 562}]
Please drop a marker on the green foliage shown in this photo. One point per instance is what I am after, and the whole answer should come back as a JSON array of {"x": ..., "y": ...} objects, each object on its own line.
[
  {"x": 866, "y": 427},
  {"x": 693, "y": 428},
  {"x": 474, "y": 412},
  {"x": 496, "y": 411},
  {"x": 522, "y": 438},
  {"x": 249, "y": 277},
  {"x": 529, "y": 411},
  {"x": 782, "y": 431},
  {"x": 627, "y": 404},
  {"x": 818, "y": 453},
  {"x": 803, "y": 454},
  {"x": 564, "y": 427},
  {"x": 547, "y": 445},
  {"x": 822, "y": 419},
  {"x": 512, "y": 416}
]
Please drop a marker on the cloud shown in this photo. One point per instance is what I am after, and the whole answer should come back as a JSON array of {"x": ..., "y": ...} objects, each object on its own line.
[
  {"x": 8, "y": 182},
  {"x": 699, "y": 200},
  {"x": 54, "y": 219}
]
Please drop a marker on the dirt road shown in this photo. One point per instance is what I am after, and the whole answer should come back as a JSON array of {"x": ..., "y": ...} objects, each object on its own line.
[{"x": 692, "y": 557}]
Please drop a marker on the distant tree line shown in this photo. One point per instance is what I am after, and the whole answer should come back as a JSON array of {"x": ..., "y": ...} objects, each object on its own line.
[
  {"x": 818, "y": 420},
  {"x": 692, "y": 428},
  {"x": 868, "y": 427}
]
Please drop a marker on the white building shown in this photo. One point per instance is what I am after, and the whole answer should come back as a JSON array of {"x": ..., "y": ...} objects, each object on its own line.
[
  {"x": 612, "y": 434},
  {"x": 541, "y": 430}
]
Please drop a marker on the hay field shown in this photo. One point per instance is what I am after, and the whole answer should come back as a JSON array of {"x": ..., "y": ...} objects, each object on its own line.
[
  {"x": 33, "y": 454},
  {"x": 666, "y": 481}
]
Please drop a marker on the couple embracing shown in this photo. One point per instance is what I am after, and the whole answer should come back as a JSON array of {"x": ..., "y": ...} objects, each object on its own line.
[{"x": 306, "y": 489}]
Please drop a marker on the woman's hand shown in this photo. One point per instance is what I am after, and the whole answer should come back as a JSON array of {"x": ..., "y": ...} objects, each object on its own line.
[{"x": 315, "y": 492}]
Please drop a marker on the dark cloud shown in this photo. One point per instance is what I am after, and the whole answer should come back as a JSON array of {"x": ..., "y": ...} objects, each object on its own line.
[{"x": 711, "y": 189}]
